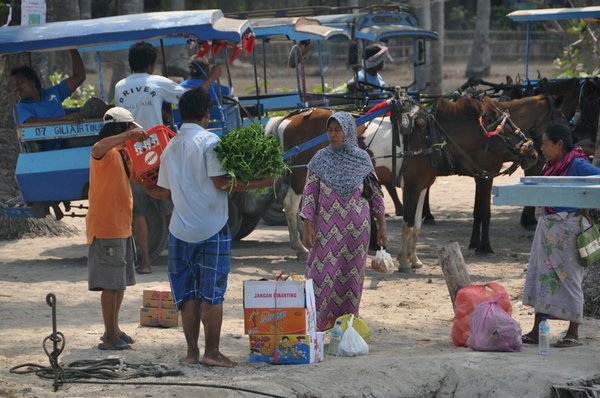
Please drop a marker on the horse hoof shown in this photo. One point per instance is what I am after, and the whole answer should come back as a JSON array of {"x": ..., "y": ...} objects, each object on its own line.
[
  {"x": 302, "y": 256},
  {"x": 416, "y": 265},
  {"x": 405, "y": 269},
  {"x": 429, "y": 221}
]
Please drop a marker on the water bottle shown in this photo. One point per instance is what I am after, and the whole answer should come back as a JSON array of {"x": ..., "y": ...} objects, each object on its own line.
[
  {"x": 544, "y": 337},
  {"x": 336, "y": 336}
]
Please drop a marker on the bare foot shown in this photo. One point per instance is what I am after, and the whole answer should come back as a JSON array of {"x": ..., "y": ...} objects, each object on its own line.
[
  {"x": 192, "y": 358},
  {"x": 218, "y": 360}
]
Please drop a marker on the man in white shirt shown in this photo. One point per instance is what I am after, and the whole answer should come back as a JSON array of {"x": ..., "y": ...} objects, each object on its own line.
[
  {"x": 199, "y": 237},
  {"x": 143, "y": 94}
]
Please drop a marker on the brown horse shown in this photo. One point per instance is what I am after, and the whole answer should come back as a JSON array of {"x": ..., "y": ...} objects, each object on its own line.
[
  {"x": 298, "y": 128},
  {"x": 452, "y": 140}
]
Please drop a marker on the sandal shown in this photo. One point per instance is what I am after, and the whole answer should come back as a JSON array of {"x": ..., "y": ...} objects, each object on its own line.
[
  {"x": 528, "y": 340},
  {"x": 567, "y": 342}
]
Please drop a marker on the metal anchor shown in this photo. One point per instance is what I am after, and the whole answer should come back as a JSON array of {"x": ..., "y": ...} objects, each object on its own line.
[{"x": 56, "y": 338}]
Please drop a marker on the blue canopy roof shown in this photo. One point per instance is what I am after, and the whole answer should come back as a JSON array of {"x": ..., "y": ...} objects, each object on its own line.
[
  {"x": 550, "y": 14},
  {"x": 297, "y": 29},
  {"x": 378, "y": 26},
  {"x": 203, "y": 25}
]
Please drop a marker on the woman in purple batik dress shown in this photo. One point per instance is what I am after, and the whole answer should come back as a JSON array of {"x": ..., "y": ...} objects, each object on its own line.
[{"x": 337, "y": 220}]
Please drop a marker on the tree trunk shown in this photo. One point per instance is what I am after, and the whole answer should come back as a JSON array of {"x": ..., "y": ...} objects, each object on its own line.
[
  {"x": 453, "y": 267},
  {"x": 119, "y": 64},
  {"x": 177, "y": 57},
  {"x": 479, "y": 64},
  {"x": 436, "y": 63},
  {"x": 422, "y": 75}
]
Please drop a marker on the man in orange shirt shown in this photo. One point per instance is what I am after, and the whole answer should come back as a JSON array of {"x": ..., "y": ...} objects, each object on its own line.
[{"x": 111, "y": 249}]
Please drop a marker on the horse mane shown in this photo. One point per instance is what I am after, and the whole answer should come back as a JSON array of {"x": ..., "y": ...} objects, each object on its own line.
[{"x": 464, "y": 108}]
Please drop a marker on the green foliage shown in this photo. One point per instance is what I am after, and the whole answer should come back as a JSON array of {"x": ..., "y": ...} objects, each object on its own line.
[
  {"x": 460, "y": 19},
  {"x": 248, "y": 154},
  {"x": 318, "y": 89},
  {"x": 580, "y": 58},
  {"x": 79, "y": 96}
]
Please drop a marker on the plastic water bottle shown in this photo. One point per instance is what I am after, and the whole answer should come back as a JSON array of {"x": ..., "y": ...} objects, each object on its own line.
[
  {"x": 544, "y": 337},
  {"x": 336, "y": 336}
]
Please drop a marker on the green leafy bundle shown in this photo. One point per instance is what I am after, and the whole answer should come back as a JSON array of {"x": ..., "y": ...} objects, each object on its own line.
[{"x": 247, "y": 154}]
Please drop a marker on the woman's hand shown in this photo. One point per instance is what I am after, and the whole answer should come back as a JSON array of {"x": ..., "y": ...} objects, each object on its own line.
[
  {"x": 381, "y": 231},
  {"x": 308, "y": 240}
]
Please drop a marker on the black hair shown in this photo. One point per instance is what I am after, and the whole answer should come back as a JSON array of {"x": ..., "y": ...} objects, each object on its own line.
[
  {"x": 141, "y": 55},
  {"x": 558, "y": 132},
  {"x": 194, "y": 104},
  {"x": 113, "y": 128},
  {"x": 198, "y": 69},
  {"x": 29, "y": 74}
]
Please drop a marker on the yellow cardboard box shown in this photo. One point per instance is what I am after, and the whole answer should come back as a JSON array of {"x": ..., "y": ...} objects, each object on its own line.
[
  {"x": 286, "y": 348},
  {"x": 165, "y": 317}
]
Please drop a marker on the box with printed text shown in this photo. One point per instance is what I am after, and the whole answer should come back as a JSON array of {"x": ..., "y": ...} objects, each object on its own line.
[
  {"x": 279, "y": 320},
  {"x": 158, "y": 297},
  {"x": 279, "y": 294},
  {"x": 286, "y": 349}
]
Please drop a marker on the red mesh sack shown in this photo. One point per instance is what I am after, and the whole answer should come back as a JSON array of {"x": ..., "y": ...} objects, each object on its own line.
[{"x": 467, "y": 299}]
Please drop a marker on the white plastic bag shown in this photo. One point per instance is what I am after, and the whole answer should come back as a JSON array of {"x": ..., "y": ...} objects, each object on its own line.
[
  {"x": 352, "y": 344},
  {"x": 382, "y": 262}
]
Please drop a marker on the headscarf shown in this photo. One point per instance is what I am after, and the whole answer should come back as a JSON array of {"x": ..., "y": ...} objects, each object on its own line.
[
  {"x": 561, "y": 167},
  {"x": 342, "y": 169}
]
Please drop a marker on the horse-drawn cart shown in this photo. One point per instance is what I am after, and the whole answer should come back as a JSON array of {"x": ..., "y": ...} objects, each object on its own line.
[{"x": 49, "y": 178}]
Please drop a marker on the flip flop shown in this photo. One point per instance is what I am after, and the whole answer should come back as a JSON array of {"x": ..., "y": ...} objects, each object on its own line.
[
  {"x": 567, "y": 342},
  {"x": 528, "y": 340},
  {"x": 141, "y": 271},
  {"x": 117, "y": 346},
  {"x": 125, "y": 337}
]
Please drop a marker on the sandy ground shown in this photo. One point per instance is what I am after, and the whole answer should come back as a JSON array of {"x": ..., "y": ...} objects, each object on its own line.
[{"x": 411, "y": 353}]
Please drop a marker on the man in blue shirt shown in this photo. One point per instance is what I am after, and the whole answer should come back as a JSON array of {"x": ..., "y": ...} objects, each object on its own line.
[
  {"x": 374, "y": 62},
  {"x": 37, "y": 104}
]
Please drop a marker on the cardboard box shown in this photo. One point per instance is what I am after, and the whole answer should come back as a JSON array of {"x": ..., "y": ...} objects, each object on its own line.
[
  {"x": 286, "y": 349},
  {"x": 158, "y": 297},
  {"x": 165, "y": 317},
  {"x": 279, "y": 321},
  {"x": 279, "y": 294}
]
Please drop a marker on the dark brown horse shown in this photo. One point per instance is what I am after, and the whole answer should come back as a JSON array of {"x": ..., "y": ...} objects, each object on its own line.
[
  {"x": 452, "y": 140},
  {"x": 579, "y": 102}
]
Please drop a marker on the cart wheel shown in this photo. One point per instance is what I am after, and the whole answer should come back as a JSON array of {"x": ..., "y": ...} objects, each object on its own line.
[
  {"x": 274, "y": 214},
  {"x": 247, "y": 225}
]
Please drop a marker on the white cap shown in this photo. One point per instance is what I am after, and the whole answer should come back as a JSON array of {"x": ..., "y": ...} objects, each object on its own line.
[{"x": 119, "y": 115}]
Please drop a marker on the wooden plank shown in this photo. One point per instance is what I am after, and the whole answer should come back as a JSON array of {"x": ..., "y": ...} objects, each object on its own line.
[{"x": 580, "y": 192}]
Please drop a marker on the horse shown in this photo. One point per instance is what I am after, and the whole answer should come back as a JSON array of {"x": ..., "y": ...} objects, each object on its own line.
[
  {"x": 467, "y": 137},
  {"x": 580, "y": 105},
  {"x": 579, "y": 102},
  {"x": 299, "y": 127}
]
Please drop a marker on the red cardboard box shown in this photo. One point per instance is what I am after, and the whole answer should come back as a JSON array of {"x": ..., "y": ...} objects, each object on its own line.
[{"x": 279, "y": 321}]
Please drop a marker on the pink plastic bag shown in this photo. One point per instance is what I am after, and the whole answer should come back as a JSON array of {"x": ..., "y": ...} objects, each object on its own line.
[
  {"x": 492, "y": 329},
  {"x": 467, "y": 299}
]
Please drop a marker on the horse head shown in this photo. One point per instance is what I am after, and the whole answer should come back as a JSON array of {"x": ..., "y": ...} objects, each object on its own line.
[{"x": 497, "y": 125}]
